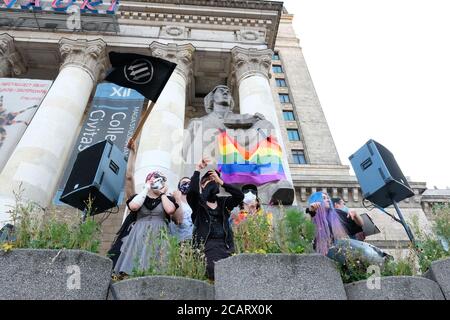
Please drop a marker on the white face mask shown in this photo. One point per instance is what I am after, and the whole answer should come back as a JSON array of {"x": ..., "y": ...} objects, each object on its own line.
[
  {"x": 157, "y": 184},
  {"x": 249, "y": 198}
]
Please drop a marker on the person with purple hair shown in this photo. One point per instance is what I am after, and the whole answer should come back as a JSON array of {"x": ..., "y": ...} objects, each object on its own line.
[{"x": 328, "y": 225}]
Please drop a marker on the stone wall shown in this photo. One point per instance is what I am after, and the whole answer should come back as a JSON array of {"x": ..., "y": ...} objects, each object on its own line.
[{"x": 73, "y": 274}]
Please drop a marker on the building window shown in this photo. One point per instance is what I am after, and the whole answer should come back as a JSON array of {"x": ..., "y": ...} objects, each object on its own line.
[
  {"x": 276, "y": 56},
  {"x": 281, "y": 82},
  {"x": 277, "y": 69},
  {"x": 288, "y": 115},
  {"x": 298, "y": 156},
  {"x": 284, "y": 98},
  {"x": 293, "y": 135}
]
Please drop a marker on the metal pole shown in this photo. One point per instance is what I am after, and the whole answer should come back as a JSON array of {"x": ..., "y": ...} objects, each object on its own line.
[{"x": 403, "y": 222}]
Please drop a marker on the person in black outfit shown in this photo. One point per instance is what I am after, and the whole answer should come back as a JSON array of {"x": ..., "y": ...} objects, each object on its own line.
[
  {"x": 210, "y": 214},
  {"x": 351, "y": 221}
]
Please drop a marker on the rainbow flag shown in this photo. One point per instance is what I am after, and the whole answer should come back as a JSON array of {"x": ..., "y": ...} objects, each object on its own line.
[{"x": 258, "y": 166}]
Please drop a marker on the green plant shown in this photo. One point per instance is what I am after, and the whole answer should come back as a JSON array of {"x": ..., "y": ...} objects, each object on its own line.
[
  {"x": 356, "y": 268},
  {"x": 441, "y": 222},
  {"x": 36, "y": 228},
  {"x": 291, "y": 232},
  {"x": 255, "y": 235},
  {"x": 429, "y": 247},
  {"x": 432, "y": 246},
  {"x": 402, "y": 267},
  {"x": 295, "y": 232},
  {"x": 169, "y": 257}
]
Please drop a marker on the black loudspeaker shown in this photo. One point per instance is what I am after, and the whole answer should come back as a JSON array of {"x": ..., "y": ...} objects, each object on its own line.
[
  {"x": 97, "y": 174},
  {"x": 379, "y": 175}
]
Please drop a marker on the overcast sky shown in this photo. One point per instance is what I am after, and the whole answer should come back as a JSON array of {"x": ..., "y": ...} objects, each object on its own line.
[{"x": 381, "y": 69}]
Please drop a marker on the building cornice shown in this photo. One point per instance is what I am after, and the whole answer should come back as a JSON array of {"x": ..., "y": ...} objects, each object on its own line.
[
  {"x": 240, "y": 4},
  {"x": 217, "y": 15}
]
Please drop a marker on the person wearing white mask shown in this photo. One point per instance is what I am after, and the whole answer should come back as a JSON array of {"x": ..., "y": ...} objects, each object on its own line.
[
  {"x": 249, "y": 206},
  {"x": 152, "y": 209}
]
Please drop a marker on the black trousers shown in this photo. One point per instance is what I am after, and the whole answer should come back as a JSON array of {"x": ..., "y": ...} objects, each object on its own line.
[{"x": 215, "y": 250}]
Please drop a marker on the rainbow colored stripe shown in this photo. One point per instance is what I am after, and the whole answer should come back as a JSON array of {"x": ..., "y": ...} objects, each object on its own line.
[{"x": 260, "y": 165}]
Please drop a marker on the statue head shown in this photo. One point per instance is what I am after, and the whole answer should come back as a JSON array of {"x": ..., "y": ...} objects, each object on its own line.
[{"x": 219, "y": 100}]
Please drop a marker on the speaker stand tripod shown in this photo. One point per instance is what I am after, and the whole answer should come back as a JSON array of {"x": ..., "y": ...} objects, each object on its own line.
[{"x": 401, "y": 220}]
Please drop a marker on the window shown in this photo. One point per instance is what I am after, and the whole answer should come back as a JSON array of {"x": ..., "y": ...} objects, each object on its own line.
[
  {"x": 298, "y": 156},
  {"x": 276, "y": 56},
  {"x": 284, "y": 98},
  {"x": 281, "y": 82},
  {"x": 277, "y": 69},
  {"x": 293, "y": 135},
  {"x": 288, "y": 116}
]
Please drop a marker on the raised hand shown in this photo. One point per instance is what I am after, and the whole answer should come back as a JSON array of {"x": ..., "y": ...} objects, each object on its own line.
[
  {"x": 215, "y": 177},
  {"x": 162, "y": 190},
  {"x": 202, "y": 163},
  {"x": 352, "y": 214},
  {"x": 314, "y": 206}
]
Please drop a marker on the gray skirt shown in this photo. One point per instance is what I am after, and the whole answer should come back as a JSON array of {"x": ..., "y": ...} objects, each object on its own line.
[{"x": 144, "y": 247}]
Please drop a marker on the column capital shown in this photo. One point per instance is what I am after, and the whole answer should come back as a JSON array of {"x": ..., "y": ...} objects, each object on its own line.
[
  {"x": 182, "y": 55},
  {"x": 87, "y": 55},
  {"x": 248, "y": 62},
  {"x": 11, "y": 63}
]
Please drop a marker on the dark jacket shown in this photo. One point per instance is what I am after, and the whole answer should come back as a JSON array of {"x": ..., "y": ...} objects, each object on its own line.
[
  {"x": 354, "y": 231},
  {"x": 352, "y": 228},
  {"x": 200, "y": 216}
]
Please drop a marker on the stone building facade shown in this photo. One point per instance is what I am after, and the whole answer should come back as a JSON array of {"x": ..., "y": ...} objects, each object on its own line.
[{"x": 248, "y": 45}]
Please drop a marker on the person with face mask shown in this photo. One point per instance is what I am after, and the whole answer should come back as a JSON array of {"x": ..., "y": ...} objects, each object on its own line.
[
  {"x": 210, "y": 214},
  {"x": 249, "y": 206},
  {"x": 182, "y": 229},
  {"x": 351, "y": 220},
  {"x": 150, "y": 211}
]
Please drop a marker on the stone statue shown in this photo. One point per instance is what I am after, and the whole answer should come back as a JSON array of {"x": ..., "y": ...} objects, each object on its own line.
[{"x": 243, "y": 147}]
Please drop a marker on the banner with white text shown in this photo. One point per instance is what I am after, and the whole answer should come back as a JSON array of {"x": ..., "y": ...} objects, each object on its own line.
[{"x": 113, "y": 115}]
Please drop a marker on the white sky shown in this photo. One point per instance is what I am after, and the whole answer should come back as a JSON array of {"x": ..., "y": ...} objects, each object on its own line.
[{"x": 381, "y": 69}]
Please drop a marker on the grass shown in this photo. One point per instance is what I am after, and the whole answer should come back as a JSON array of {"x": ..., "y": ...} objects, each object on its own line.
[
  {"x": 433, "y": 246},
  {"x": 170, "y": 258},
  {"x": 35, "y": 228},
  {"x": 357, "y": 268}
]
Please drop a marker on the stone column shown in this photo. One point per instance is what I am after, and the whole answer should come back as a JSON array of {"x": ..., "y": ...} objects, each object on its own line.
[
  {"x": 11, "y": 63},
  {"x": 250, "y": 75},
  {"x": 161, "y": 141},
  {"x": 39, "y": 159}
]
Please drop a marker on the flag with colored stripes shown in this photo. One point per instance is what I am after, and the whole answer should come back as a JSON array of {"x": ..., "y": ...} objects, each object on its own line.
[{"x": 258, "y": 165}]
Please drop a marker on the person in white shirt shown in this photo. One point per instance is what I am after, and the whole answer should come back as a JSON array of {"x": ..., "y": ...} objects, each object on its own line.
[{"x": 183, "y": 230}]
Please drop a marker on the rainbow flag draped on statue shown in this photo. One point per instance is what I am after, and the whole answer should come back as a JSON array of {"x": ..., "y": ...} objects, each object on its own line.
[{"x": 257, "y": 166}]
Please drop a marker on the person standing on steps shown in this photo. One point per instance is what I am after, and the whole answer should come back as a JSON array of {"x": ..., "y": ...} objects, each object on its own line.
[{"x": 211, "y": 213}]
